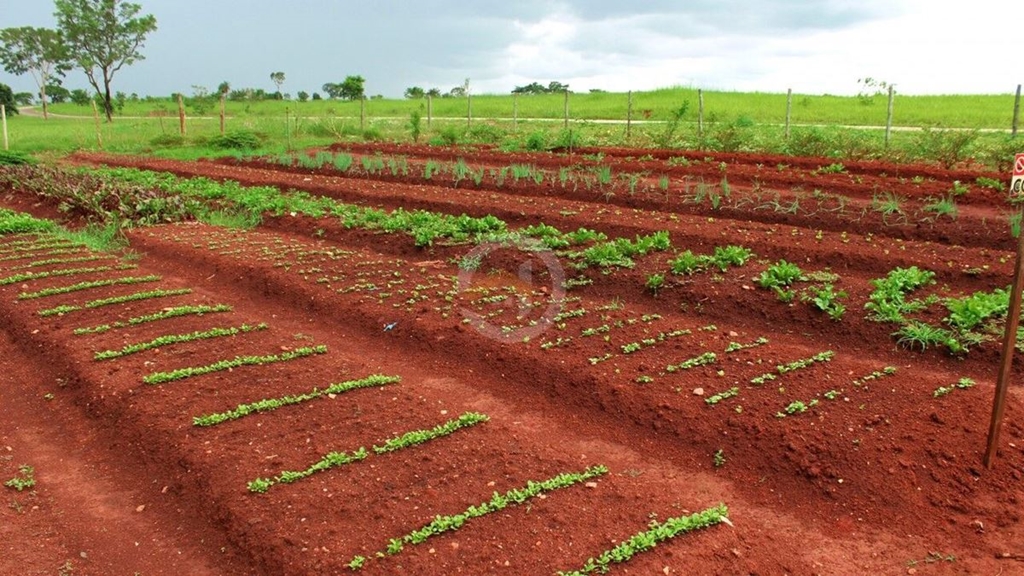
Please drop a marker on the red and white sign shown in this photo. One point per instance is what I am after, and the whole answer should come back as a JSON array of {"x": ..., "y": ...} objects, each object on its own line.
[{"x": 1017, "y": 181}]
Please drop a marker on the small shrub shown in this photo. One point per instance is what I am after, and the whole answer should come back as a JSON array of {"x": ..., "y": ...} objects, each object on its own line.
[
  {"x": 236, "y": 140},
  {"x": 536, "y": 141}
]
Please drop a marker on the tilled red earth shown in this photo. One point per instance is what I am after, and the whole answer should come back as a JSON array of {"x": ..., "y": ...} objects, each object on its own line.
[{"x": 881, "y": 478}]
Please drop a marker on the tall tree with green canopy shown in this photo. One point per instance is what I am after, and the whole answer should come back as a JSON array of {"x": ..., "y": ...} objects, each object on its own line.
[
  {"x": 38, "y": 51},
  {"x": 102, "y": 36}
]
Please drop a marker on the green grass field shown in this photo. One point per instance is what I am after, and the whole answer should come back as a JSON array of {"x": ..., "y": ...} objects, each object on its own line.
[{"x": 733, "y": 121}]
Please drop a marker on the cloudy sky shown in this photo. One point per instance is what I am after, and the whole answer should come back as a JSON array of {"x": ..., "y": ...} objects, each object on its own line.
[{"x": 811, "y": 46}]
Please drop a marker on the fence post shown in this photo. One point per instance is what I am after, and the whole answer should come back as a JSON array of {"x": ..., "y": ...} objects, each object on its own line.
[
  {"x": 287, "y": 130},
  {"x": 430, "y": 111},
  {"x": 700, "y": 112},
  {"x": 789, "y": 109},
  {"x": 181, "y": 115},
  {"x": 469, "y": 110},
  {"x": 515, "y": 112},
  {"x": 362, "y": 113},
  {"x": 1006, "y": 364},
  {"x": 888, "y": 119},
  {"x": 96, "y": 118},
  {"x": 565, "y": 123},
  {"x": 222, "y": 114},
  {"x": 3, "y": 116},
  {"x": 629, "y": 114},
  {"x": 1016, "y": 113}
]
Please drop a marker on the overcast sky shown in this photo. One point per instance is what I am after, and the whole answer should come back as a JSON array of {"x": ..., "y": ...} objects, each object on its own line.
[{"x": 811, "y": 46}]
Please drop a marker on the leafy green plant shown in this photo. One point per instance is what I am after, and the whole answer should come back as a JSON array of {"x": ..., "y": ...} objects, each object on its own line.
[
  {"x": 702, "y": 360},
  {"x": 24, "y": 480},
  {"x": 736, "y": 346},
  {"x": 826, "y": 299},
  {"x": 942, "y": 207},
  {"x": 269, "y": 404},
  {"x": 182, "y": 373},
  {"x": 916, "y": 333},
  {"x": 796, "y": 407},
  {"x": 779, "y": 275},
  {"x": 330, "y": 460},
  {"x": 888, "y": 204},
  {"x": 888, "y": 299},
  {"x": 655, "y": 282},
  {"x": 420, "y": 436},
  {"x": 716, "y": 398},
  {"x": 962, "y": 384}
]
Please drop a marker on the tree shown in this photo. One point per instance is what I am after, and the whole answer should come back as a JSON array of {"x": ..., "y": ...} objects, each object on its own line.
[
  {"x": 353, "y": 88},
  {"x": 302, "y": 95},
  {"x": 414, "y": 93},
  {"x": 23, "y": 98},
  {"x": 316, "y": 96},
  {"x": 56, "y": 93},
  {"x": 7, "y": 99},
  {"x": 278, "y": 79},
  {"x": 80, "y": 97},
  {"x": 223, "y": 88},
  {"x": 434, "y": 92},
  {"x": 103, "y": 36},
  {"x": 38, "y": 51}
]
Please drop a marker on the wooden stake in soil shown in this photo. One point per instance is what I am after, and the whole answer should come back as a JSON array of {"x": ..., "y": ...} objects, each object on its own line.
[
  {"x": 629, "y": 114},
  {"x": 362, "y": 113},
  {"x": 1009, "y": 342},
  {"x": 222, "y": 114},
  {"x": 469, "y": 110},
  {"x": 888, "y": 118},
  {"x": 181, "y": 116},
  {"x": 3, "y": 118},
  {"x": 789, "y": 109},
  {"x": 96, "y": 117},
  {"x": 1016, "y": 113},
  {"x": 430, "y": 111}
]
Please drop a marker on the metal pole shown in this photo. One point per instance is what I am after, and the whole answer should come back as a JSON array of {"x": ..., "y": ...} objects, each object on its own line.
[
  {"x": 1016, "y": 113},
  {"x": 3, "y": 115},
  {"x": 888, "y": 119},
  {"x": 1009, "y": 342},
  {"x": 789, "y": 109}
]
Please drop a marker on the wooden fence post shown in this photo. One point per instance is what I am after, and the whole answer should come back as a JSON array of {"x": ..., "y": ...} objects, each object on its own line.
[
  {"x": 362, "y": 113},
  {"x": 3, "y": 116},
  {"x": 469, "y": 110},
  {"x": 1016, "y": 113},
  {"x": 181, "y": 115},
  {"x": 700, "y": 112},
  {"x": 789, "y": 109},
  {"x": 1009, "y": 347},
  {"x": 565, "y": 111},
  {"x": 629, "y": 114},
  {"x": 888, "y": 118},
  {"x": 96, "y": 118},
  {"x": 515, "y": 112},
  {"x": 430, "y": 111},
  {"x": 222, "y": 114}
]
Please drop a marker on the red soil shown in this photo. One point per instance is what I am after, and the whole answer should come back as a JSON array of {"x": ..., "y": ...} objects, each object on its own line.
[{"x": 879, "y": 477}]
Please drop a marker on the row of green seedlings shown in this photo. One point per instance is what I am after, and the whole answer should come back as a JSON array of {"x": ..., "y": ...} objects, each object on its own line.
[
  {"x": 656, "y": 533},
  {"x": 723, "y": 257},
  {"x": 66, "y": 260},
  {"x": 335, "y": 459},
  {"x": 58, "y": 290},
  {"x": 962, "y": 384},
  {"x": 270, "y": 404},
  {"x": 890, "y": 302},
  {"x": 29, "y": 276},
  {"x": 710, "y": 358},
  {"x": 168, "y": 313},
  {"x": 70, "y": 250},
  {"x": 780, "y": 277},
  {"x": 799, "y": 406},
  {"x": 498, "y": 502},
  {"x": 113, "y": 300},
  {"x": 170, "y": 339},
  {"x": 460, "y": 171},
  {"x": 236, "y": 362},
  {"x": 800, "y": 364}
]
